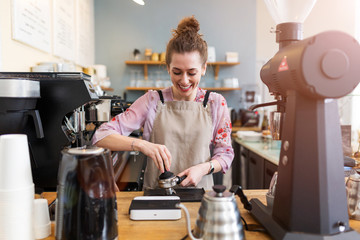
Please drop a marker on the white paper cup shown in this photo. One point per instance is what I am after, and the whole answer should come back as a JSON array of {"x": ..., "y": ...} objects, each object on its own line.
[
  {"x": 17, "y": 196},
  {"x": 42, "y": 224},
  {"x": 16, "y": 215},
  {"x": 15, "y": 168}
]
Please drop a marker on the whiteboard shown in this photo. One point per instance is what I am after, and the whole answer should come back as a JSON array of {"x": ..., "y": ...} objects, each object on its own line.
[
  {"x": 31, "y": 23},
  {"x": 64, "y": 29}
]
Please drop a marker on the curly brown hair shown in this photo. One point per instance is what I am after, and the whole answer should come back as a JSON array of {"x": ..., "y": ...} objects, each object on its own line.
[{"x": 187, "y": 39}]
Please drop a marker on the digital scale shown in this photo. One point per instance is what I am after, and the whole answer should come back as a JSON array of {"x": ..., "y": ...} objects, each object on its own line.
[{"x": 155, "y": 208}]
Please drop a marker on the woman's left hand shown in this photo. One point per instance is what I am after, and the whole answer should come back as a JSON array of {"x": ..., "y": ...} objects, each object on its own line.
[{"x": 194, "y": 174}]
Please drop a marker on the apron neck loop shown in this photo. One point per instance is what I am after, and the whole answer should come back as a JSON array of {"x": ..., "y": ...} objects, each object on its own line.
[
  {"x": 161, "y": 96},
  {"x": 206, "y": 98}
]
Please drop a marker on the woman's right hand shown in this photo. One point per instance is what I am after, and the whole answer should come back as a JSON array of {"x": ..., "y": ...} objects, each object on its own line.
[{"x": 157, "y": 152}]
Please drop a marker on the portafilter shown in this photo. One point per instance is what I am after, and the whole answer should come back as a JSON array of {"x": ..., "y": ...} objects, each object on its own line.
[{"x": 167, "y": 180}]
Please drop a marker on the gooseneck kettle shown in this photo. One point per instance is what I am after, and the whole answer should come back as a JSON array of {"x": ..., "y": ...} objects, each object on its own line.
[{"x": 218, "y": 216}]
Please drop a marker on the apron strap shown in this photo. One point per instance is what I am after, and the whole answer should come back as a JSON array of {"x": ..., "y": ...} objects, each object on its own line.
[
  {"x": 161, "y": 96},
  {"x": 206, "y": 98}
]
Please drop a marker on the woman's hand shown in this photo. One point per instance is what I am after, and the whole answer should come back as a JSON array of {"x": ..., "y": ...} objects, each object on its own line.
[
  {"x": 194, "y": 174},
  {"x": 157, "y": 152}
]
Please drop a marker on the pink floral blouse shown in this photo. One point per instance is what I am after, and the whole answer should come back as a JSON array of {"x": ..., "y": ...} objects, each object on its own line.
[{"x": 142, "y": 114}]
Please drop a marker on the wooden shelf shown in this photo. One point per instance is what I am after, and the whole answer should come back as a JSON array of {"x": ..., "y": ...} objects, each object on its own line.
[
  {"x": 149, "y": 62},
  {"x": 218, "y": 64},
  {"x": 146, "y": 63},
  {"x": 107, "y": 89},
  {"x": 155, "y": 88}
]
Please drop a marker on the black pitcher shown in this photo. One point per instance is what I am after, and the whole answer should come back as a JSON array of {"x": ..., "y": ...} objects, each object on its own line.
[{"x": 86, "y": 200}]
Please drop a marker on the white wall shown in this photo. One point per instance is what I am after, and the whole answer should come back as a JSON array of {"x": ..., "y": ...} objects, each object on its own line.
[
  {"x": 326, "y": 15},
  {"x": 17, "y": 56},
  {"x": 0, "y": 49}
]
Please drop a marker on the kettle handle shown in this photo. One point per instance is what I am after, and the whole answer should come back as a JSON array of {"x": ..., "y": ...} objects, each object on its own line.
[
  {"x": 236, "y": 189},
  {"x": 187, "y": 215}
]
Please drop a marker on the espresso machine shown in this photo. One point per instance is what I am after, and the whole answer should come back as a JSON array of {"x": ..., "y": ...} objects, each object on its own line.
[
  {"x": 306, "y": 77},
  {"x": 53, "y": 117},
  {"x": 18, "y": 111}
]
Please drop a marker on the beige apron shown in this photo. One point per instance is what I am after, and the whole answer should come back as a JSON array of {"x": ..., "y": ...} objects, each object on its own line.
[{"x": 185, "y": 128}]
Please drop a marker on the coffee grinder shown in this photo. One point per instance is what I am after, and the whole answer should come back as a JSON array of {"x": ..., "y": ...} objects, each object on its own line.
[{"x": 306, "y": 77}]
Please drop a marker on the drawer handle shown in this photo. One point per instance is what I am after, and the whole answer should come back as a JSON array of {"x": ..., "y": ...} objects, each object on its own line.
[{"x": 253, "y": 161}]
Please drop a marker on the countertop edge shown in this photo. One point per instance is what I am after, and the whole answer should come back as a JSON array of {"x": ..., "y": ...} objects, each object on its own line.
[{"x": 264, "y": 153}]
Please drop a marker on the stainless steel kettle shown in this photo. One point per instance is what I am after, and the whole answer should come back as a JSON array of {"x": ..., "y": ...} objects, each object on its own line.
[{"x": 218, "y": 216}]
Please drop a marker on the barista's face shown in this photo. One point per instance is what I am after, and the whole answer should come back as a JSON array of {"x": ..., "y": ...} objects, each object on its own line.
[{"x": 185, "y": 72}]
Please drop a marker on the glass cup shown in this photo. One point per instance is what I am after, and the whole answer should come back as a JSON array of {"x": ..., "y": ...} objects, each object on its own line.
[{"x": 276, "y": 120}]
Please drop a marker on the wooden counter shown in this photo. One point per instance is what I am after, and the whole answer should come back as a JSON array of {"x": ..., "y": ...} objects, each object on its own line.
[{"x": 168, "y": 230}]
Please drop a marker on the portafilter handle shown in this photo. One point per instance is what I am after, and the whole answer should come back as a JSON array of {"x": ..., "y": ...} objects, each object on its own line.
[{"x": 180, "y": 179}]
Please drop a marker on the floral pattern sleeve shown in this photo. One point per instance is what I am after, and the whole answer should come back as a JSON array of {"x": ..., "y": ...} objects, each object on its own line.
[
  {"x": 132, "y": 119},
  {"x": 221, "y": 143}
]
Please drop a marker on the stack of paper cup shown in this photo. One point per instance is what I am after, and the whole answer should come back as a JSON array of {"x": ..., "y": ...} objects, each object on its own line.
[{"x": 16, "y": 188}]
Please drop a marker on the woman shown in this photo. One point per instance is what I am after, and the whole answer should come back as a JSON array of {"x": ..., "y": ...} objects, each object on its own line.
[{"x": 186, "y": 129}]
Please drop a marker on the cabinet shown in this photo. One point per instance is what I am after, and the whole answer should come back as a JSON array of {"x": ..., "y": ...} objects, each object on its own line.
[
  {"x": 244, "y": 167},
  {"x": 269, "y": 170},
  {"x": 260, "y": 172},
  {"x": 236, "y": 172},
  {"x": 251, "y": 170},
  {"x": 256, "y": 171},
  {"x": 145, "y": 64}
]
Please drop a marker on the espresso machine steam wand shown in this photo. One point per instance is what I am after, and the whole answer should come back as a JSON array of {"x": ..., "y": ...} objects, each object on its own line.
[{"x": 309, "y": 75}]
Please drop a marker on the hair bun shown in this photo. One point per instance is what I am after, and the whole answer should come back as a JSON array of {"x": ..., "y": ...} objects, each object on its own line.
[
  {"x": 185, "y": 38},
  {"x": 188, "y": 25}
]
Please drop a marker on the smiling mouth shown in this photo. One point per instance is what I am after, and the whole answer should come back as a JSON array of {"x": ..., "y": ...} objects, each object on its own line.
[{"x": 185, "y": 89}]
